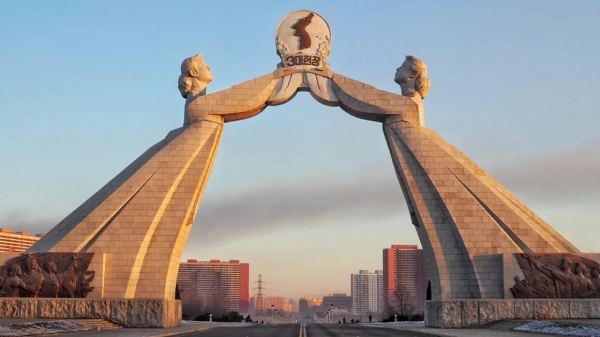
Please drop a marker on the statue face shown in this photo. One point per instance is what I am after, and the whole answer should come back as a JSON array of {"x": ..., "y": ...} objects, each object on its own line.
[
  {"x": 202, "y": 72},
  {"x": 32, "y": 264},
  {"x": 404, "y": 73},
  {"x": 564, "y": 264},
  {"x": 595, "y": 273},
  {"x": 16, "y": 270},
  {"x": 52, "y": 267}
]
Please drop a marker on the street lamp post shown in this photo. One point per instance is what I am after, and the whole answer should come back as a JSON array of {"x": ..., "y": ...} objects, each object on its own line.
[
  {"x": 331, "y": 313},
  {"x": 275, "y": 316},
  {"x": 272, "y": 313}
]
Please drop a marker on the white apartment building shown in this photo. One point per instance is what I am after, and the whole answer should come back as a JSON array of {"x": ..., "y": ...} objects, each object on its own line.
[{"x": 367, "y": 292}]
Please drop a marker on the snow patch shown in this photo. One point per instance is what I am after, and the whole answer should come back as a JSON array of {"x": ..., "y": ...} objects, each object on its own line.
[
  {"x": 395, "y": 325},
  {"x": 40, "y": 328},
  {"x": 561, "y": 328}
]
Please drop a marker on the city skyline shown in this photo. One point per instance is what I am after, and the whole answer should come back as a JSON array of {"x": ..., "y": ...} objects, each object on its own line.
[
  {"x": 17, "y": 241},
  {"x": 296, "y": 204}
]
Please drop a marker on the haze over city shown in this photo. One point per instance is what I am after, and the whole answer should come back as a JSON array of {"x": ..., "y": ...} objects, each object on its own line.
[{"x": 304, "y": 193}]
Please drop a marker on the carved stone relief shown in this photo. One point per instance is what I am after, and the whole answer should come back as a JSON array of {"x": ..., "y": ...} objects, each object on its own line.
[
  {"x": 557, "y": 276},
  {"x": 52, "y": 275}
]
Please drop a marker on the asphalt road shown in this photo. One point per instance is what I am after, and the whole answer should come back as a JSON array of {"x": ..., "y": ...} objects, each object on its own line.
[{"x": 310, "y": 330}]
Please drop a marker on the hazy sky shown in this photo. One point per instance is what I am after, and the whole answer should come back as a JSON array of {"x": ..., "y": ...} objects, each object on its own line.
[{"x": 303, "y": 192}]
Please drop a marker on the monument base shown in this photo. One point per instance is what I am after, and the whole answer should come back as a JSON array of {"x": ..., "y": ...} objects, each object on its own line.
[
  {"x": 480, "y": 312},
  {"x": 130, "y": 313}
]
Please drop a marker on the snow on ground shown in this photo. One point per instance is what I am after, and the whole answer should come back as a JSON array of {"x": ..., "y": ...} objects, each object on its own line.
[
  {"x": 411, "y": 323},
  {"x": 561, "y": 328},
  {"x": 39, "y": 328},
  {"x": 395, "y": 325}
]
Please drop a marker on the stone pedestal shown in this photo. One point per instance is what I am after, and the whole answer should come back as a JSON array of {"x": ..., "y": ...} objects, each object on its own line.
[
  {"x": 477, "y": 313},
  {"x": 130, "y": 313}
]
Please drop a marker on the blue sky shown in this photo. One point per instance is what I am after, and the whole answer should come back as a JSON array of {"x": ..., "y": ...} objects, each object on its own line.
[{"x": 303, "y": 192}]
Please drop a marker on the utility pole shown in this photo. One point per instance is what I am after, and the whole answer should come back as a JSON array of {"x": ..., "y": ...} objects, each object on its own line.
[{"x": 259, "y": 303}]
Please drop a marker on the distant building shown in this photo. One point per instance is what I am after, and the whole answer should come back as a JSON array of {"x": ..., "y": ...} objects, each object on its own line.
[
  {"x": 292, "y": 306},
  {"x": 314, "y": 301},
  {"x": 367, "y": 292},
  {"x": 274, "y": 302},
  {"x": 340, "y": 302},
  {"x": 17, "y": 241},
  {"x": 252, "y": 305},
  {"x": 215, "y": 283},
  {"x": 303, "y": 308},
  {"x": 405, "y": 270}
]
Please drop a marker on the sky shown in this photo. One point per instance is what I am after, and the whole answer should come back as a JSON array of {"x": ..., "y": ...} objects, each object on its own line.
[{"x": 305, "y": 193}]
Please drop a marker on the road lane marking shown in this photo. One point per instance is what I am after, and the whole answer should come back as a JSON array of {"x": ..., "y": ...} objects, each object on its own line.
[{"x": 302, "y": 330}]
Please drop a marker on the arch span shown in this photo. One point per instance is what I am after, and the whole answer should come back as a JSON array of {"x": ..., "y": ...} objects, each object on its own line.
[{"x": 142, "y": 218}]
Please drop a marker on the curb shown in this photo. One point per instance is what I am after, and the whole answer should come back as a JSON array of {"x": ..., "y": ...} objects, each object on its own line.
[
  {"x": 421, "y": 330},
  {"x": 430, "y": 333},
  {"x": 174, "y": 333}
]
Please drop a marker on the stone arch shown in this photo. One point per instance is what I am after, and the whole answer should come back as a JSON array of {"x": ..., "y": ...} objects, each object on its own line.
[{"x": 139, "y": 222}]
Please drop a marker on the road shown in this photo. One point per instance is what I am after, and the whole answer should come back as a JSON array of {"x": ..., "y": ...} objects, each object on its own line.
[{"x": 309, "y": 330}]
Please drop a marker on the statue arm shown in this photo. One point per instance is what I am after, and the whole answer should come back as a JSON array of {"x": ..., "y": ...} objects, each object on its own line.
[
  {"x": 249, "y": 98},
  {"x": 18, "y": 283},
  {"x": 239, "y": 102},
  {"x": 69, "y": 270},
  {"x": 545, "y": 270},
  {"x": 367, "y": 102},
  {"x": 558, "y": 275}
]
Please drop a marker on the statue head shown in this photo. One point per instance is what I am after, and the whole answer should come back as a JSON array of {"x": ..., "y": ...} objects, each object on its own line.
[
  {"x": 50, "y": 267},
  {"x": 14, "y": 270},
  {"x": 195, "y": 75},
  {"x": 31, "y": 264},
  {"x": 413, "y": 70},
  {"x": 565, "y": 264},
  {"x": 579, "y": 268},
  {"x": 594, "y": 272}
]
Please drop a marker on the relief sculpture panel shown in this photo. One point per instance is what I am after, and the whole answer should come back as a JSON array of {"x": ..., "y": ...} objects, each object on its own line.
[
  {"x": 557, "y": 276},
  {"x": 51, "y": 275}
]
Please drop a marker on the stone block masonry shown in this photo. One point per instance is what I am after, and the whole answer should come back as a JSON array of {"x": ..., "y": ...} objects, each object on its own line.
[
  {"x": 138, "y": 313},
  {"x": 478, "y": 313}
]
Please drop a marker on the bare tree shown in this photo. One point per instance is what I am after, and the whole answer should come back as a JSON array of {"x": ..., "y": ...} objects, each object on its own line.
[
  {"x": 401, "y": 302},
  {"x": 194, "y": 306},
  {"x": 218, "y": 306}
]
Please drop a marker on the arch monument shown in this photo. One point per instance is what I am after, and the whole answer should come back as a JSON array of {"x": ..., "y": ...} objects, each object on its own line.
[{"x": 476, "y": 234}]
